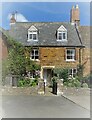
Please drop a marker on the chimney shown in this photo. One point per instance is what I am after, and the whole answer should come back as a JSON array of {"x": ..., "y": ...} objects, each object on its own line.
[
  {"x": 12, "y": 20},
  {"x": 75, "y": 15}
]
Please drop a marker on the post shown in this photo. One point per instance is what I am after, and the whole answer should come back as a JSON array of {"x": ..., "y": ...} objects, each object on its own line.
[
  {"x": 55, "y": 88},
  {"x": 44, "y": 87}
]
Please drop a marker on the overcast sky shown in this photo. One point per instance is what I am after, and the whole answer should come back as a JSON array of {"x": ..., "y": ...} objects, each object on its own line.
[{"x": 43, "y": 12}]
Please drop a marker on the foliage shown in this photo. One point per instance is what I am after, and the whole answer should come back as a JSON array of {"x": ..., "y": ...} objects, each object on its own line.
[
  {"x": 87, "y": 79},
  {"x": 80, "y": 69},
  {"x": 73, "y": 82},
  {"x": 62, "y": 73},
  {"x": 77, "y": 81},
  {"x": 27, "y": 82},
  {"x": 16, "y": 57},
  {"x": 85, "y": 85},
  {"x": 18, "y": 61},
  {"x": 34, "y": 83},
  {"x": 21, "y": 83}
]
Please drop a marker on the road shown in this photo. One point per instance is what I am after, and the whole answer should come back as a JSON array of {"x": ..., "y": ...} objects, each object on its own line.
[{"x": 41, "y": 107}]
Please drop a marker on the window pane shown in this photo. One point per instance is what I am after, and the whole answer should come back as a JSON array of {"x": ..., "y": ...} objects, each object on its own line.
[
  {"x": 30, "y": 36},
  {"x": 71, "y": 54},
  {"x": 32, "y": 52},
  {"x": 73, "y": 51},
  {"x": 68, "y": 57},
  {"x": 64, "y": 36},
  {"x": 60, "y": 33},
  {"x": 70, "y": 72},
  {"x": 34, "y": 36},
  {"x": 36, "y": 52},
  {"x": 36, "y": 57},
  {"x": 60, "y": 36},
  {"x": 68, "y": 52},
  {"x": 32, "y": 57},
  {"x": 74, "y": 71}
]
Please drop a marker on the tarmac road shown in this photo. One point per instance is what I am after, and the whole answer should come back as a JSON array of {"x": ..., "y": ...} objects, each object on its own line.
[{"x": 41, "y": 107}]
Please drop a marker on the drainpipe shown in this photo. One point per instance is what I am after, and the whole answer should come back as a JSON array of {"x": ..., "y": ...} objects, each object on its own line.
[
  {"x": 80, "y": 56},
  {"x": 81, "y": 47}
]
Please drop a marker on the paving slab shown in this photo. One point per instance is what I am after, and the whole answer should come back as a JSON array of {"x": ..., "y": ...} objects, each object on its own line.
[{"x": 79, "y": 96}]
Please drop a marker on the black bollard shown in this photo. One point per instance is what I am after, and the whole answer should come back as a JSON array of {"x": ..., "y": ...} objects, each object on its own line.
[
  {"x": 44, "y": 87},
  {"x": 55, "y": 88}
]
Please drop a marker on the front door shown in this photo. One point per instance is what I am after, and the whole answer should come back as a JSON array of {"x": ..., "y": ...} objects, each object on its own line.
[{"x": 47, "y": 74}]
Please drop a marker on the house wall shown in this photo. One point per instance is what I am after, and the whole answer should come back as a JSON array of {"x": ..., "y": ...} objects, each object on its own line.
[
  {"x": 56, "y": 56},
  {"x": 86, "y": 61}
]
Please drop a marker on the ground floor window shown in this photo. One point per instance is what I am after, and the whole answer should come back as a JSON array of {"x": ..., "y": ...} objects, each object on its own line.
[
  {"x": 35, "y": 54},
  {"x": 72, "y": 72}
]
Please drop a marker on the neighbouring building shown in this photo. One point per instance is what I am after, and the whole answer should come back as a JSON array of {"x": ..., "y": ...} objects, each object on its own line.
[
  {"x": 86, "y": 51},
  {"x": 3, "y": 45},
  {"x": 55, "y": 44}
]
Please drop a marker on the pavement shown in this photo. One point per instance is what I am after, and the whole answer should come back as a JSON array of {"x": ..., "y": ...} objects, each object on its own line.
[
  {"x": 41, "y": 107},
  {"x": 72, "y": 103},
  {"x": 79, "y": 96}
]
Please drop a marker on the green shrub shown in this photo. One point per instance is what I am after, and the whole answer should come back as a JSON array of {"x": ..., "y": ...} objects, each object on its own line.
[
  {"x": 85, "y": 85},
  {"x": 87, "y": 79},
  {"x": 21, "y": 83},
  {"x": 65, "y": 83},
  {"x": 27, "y": 82},
  {"x": 62, "y": 73},
  {"x": 69, "y": 85},
  {"x": 77, "y": 83},
  {"x": 33, "y": 83},
  {"x": 73, "y": 82}
]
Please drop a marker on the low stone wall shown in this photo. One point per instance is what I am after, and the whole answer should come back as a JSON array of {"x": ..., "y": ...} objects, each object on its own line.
[
  {"x": 19, "y": 90},
  {"x": 48, "y": 91},
  {"x": 76, "y": 91}
]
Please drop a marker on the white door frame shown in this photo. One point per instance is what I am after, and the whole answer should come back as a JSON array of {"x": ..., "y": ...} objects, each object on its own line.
[{"x": 42, "y": 72}]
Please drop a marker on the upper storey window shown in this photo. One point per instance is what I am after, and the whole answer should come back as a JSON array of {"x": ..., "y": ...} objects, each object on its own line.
[
  {"x": 32, "y": 33},
  {"x": 70, "y": 55},
  {"x": 61, "y": 33}
]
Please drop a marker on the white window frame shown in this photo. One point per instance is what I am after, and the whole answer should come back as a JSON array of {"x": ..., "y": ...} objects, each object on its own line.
[
  {"x": 72, "y": 73},
  {"x": 62, "y": 30},
  {"x": 73, "y": 55},
  {"x": 32, "y": 32},
  {"x": 34, "y": 55},
  {"x": 62, "y": 36}
]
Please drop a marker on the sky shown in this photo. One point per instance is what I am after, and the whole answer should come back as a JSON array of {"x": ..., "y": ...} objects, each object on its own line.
[{"x": 42, "y": 12}]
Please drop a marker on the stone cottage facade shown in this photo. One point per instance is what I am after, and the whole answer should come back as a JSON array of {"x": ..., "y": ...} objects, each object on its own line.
[{"x": 55, "y": 44}]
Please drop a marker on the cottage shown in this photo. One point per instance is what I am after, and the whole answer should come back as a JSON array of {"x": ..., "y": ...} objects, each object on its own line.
[{"x": 55, "y": 44}]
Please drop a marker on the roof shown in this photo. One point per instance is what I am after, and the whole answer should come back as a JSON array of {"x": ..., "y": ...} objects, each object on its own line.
[
  {"x": 46, "y": 35},
  {"x": 85, "y": 35}
]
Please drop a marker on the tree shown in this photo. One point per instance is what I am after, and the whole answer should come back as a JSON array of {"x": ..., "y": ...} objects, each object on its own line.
[
  {"x": 16, "y": 58},
  {"x": 18, "y": 61}
]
